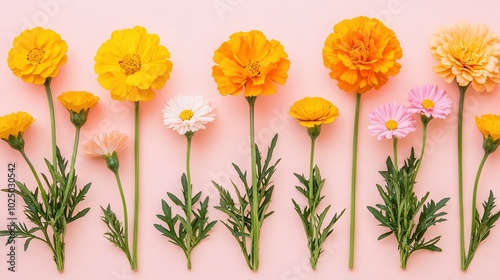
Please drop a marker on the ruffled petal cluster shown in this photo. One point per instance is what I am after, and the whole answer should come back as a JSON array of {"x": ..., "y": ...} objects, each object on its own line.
[
  {"x": 312, "y": 111},
  {"x": 77, "y": 101},
  {"x": 132, "y": 64},
  {"x": 251, "y": 63},
  {"x": 468, "y": 53},
  {"x": 37, "y": 55},
  {"x": 15, "y": 123},
  {"x": 489, "y": 125},
  {"x": 361, "y": 54}
]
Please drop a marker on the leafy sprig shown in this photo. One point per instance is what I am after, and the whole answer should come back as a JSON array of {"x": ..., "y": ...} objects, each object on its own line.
[
  {"x": 42, "y": 215},
  {"x": 239, "y": 213},
  {"x": 402, "y": 207},
  {"x": 181, "y": 230},
  {"x": 312, "y": 222}
]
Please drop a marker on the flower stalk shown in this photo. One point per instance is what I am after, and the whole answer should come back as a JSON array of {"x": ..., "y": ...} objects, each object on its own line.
[
  {"x": 352, "y": 222},
  {"x": 135, "y": 236}
]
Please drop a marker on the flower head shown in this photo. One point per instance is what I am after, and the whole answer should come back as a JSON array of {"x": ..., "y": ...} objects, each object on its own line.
[
  {"x": 250, "y": 62},
  {"x": 12, "y": 128},
  {"x": 78, "y": 104},
  {"x": 106, "y": 144},
  {"x": 489, "y": 125},
  {"x": 77, "y": 101},
  {"x": 361, "y": 53},
  {"x": 132, "y": 64},
  {"x": 312, "y": 111},
  {"x": 468, "y": 53},
  {"x": 188, "y": 113},
  {"x": 429, "y": 100},
  {"x": 391, "y": 120},
  {"x": 37, "y": 55}
]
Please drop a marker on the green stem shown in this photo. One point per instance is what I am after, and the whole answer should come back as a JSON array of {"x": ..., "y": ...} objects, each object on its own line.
[
  {"x": 43, "y": 193},
  {"x": 255, "y": 223},
  {"x": 473, "y": 220},
  {"x": 136, "y": 187},
  {"x": 59, "y": 251},
  {"x": 353, "y": 181},
  {"x": 125, "y": 215},
  {"x": 460, "y": 176},
  {"x": 69, "y": 183},
  {"x": 424, "y": 141},
  {"x": 189, "y": 204},
  {"x": 312, "y": 206},
  {"x": 395, "y": 149},
  {"x": 52, "y": 120}
]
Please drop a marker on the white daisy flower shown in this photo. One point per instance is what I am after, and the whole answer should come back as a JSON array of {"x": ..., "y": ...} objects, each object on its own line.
[{"x": 188, "y": 113}]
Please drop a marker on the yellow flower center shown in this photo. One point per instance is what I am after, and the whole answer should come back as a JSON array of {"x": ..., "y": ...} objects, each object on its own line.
[
  {"x": 391, "y": 124},
  {"x": 35, "y": 55},
  {"x": 186, "y": 115},
  {"x": 428, "y": 104},
  {"x": 254, "y": 68},
  {"x": 130, "y": 63}
]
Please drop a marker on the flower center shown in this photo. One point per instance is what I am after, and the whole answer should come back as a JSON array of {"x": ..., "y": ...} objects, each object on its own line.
[
  {"x": 186, "y": 115},
  {"x": 130, "y": 63},
  {"x": 359, "y": 51},
  {"x": 428, "y": 104},
  {"x": 254, "y": 68},
  {"x": 391, "y": 124},
  {"x": 35, "y": 55}
]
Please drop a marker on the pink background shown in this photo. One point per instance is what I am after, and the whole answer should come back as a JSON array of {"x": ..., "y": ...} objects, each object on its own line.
[{"x": 192, "y": 30}]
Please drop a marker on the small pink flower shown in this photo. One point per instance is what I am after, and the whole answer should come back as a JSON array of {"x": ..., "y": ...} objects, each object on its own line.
[
  {"x": 429, "y": 100},
  {"x": 391, "y": 120},
  {"x": 106, "y": 144}
]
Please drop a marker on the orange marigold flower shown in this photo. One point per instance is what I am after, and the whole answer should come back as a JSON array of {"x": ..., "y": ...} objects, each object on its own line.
[
  {"x": 468, "y": 53},
  {"x": 250, "y": 62},
  {"x": 132, "y": 64},
  {"x": 361, "y": 53},
  {"x": 314, "y": 111},
  {"x": 37, "y": 55}
]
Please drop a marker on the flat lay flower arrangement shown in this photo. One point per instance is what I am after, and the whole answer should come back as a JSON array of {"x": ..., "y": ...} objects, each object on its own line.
[{"x": 361, "y": 54}]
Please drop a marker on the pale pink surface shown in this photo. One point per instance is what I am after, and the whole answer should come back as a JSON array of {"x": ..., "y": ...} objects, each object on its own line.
[{"x": 192, "y": 30}]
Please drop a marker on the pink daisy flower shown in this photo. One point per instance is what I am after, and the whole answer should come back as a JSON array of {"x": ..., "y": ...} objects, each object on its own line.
[
  {"x": 429, "y": 100},
  {"x": 106, "y": 144},
  {"x": 391, "y": 120}
]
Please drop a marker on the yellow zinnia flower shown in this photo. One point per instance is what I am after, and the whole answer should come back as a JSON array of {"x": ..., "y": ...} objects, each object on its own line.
[
  {"x": 489, "y": 125},
  {"x": 15, "y": 123},
  {"x": 77, "y": 101},
  {"x": 312, "y": 111},
  {"x": 468, "y": 53},
  {"x": 361, "y": 53},
  {"x": 132, "y": 64},
  {"x": 37, "y": 55},
  {"x": 250, "y": 62}
]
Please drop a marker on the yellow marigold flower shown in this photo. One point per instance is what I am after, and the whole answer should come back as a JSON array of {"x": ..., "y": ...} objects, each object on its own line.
[
  {"x": 489, "y": 125},
  {"x": 312, "y": 111},
  {"x": 468, "y": 53},
  {"x": 132, "y": 64},
  {"x": 361, "y": 53},
  {"x": 37, "y": 55},
  {"x": 15, "y": 123},
  {"x": 250, "y": 62},
  {"x": 77, "y": 101}
]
